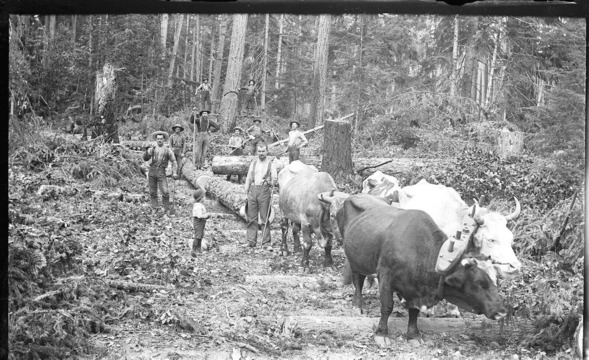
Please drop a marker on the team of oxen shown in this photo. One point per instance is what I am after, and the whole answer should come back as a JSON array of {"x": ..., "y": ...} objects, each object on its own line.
[{"x": 399, "y": 235}]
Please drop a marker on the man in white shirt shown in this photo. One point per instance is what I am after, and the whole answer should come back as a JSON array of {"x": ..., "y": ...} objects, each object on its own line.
[
  {"x": 296, "y": 140},
  {"x": 261, "y": 178}
]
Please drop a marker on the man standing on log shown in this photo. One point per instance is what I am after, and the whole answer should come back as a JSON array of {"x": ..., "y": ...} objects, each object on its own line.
[
  {"x": 255, "y": 133},
  {"x": 261, "y": 178},
  {"x": 296, "y": 140},
  {"x": 160, "y": 155},
  {"x": 236, "y": 145},
  {"x": 204, "y": 127},
  {"x": 178, "y": 144},
  {"x": 205, "y": 87}
]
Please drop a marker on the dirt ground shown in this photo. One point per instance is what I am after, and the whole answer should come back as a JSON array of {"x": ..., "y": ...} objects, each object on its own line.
[{"x": 216, "y": 311}]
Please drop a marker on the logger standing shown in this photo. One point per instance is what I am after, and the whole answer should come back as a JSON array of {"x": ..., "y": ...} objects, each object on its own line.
[
  {"x": 203, "y": 127},
  {"x": 261, "y": 179},
  {"x": 236, "y": 144},
  {"x": 178, "y": 144},
  {"x": 296, "y": 140},
  {"x": 160, "y": 156}
]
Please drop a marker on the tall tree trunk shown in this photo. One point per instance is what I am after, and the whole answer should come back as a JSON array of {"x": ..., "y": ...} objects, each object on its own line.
[
  {"x": 164, "y": 33},
  {"x": 198, "y": 48},
  {"x": 454, "y": 76},
  {"x": 263, "y": 98},
  {"x": 337, "y": 149},
  {"x": 469, "y": 73},
  {"x": 320, "y": 71},
  {"x": 211, "y": 53},
  {"x": 193, "y": 57},
  {"x": 105, "y": 95},
  {"x": 279, "y": 52},
  {"x": 90, "y": 31},
  {"x": 186, "y": 37},
  {"x": 219, "y": 61},
  {"x": 178, "y": 31},
  {"x": 360, "y": 69},
  {"x": 231, "y": 86},
  {"x": 493, "y": 61}
]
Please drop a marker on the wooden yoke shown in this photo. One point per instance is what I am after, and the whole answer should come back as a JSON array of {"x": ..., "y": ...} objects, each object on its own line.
[{"x": 453, "y": 248}]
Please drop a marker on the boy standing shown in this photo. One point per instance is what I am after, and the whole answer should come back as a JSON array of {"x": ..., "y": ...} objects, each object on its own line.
[
  {"x": 205, "y": 87},
  {"x": 178, "y": 145},
  {"x": 200, "y": 216},
  {"x": 296, "y": 140}
]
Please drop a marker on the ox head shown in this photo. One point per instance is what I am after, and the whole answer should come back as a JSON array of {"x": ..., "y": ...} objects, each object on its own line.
[
  {"x": 470, "y": 287},
  {"x": 381, "y": 185},
  {"x": 332, "y": 201},
  {"x": 494, "y": 240}
]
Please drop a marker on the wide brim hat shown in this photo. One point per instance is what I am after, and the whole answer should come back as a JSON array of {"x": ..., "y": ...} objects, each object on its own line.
[
  {"x": 243, "y": 213},
  {"x": 156, "y": 133},
  {"x": 177, "y": 126},
  {"x": 198, "y": 194},
  {"x": 204, "y": 111},
  {"x": 294, "y": 121},
  {"x": 238, "y": 128}
]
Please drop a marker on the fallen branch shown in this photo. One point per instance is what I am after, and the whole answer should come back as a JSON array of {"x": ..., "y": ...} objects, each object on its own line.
[
  {"x": 247, "y": 346},
  {"x": 130, "y": 286},
  {"x": 48, "y": 294},
  {"x": 374, "y": 166}
]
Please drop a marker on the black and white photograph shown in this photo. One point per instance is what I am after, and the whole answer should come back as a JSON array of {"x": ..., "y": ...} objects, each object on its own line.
[{"x": 348, "y": 180}]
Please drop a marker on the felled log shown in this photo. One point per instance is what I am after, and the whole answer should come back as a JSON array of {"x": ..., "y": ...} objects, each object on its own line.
[
  {"x": 239, "y": 165},
  {"x": 229, "y": 194}
]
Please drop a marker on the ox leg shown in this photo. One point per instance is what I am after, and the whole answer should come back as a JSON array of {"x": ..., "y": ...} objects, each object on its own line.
[
  {"x": 328, "y": 261},
  {"x": 385, "y": 281},
  {"x": 307, "y": 244},
  {"x": 358, "y": 300},
  {"x": 412, "y": 330},
  {"x": 296, "y": 229},
  {"x": 284, "y": 227}
]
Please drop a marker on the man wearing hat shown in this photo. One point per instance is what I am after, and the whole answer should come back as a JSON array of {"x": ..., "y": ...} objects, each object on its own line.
[
  {"x": 178, "y": 145},
  {"x": 160, "y": 155},
  {"x": 203, "y": 127},
  {"x": 261, "y": 178},
  {"x": 256, "y": 133},
  {"x": 205, "y": 87},
  {"x": 296, "y": 140},
  {"x": 236, "y": 145},
  {"x": 250, "y": 96}
]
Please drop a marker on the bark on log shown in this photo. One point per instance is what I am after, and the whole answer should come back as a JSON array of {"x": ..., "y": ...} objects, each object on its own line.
[
  {"x": 239, "y": 165},
  {"x": 355, "y": 325},
  {"x": 229, "y": 194}
]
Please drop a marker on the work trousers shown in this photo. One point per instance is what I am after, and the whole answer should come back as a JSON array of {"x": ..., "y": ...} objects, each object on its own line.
[
  {"x": 157, "y": 178},
  {"x": 202, "y": 145},
  {"x": 254, "y": 143},
  {"x": 294, "y": 153},
  {"x": 179, "y": 158},
  {"x": 250, "y": 102},
  {"x": 205, "y": 98},
  {"x": 258, "y": 201}
]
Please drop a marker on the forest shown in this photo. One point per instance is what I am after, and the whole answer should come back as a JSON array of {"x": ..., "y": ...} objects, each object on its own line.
[{"x": 92, "y": 275}]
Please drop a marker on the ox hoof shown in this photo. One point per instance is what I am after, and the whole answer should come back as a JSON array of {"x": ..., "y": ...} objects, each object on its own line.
[
  {"x": 383, "y": 341},
  {"x": 414, "y": 335}
]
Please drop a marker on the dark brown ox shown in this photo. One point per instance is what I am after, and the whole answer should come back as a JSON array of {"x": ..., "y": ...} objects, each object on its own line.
[
  {"x": 402, "y": 246},
  {"x": 301, "y": 187}
]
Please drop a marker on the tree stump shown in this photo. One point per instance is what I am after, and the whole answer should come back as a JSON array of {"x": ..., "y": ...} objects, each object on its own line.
[
  {"x": 510, "y": 143},
  {"x": 106, "y": 89},
  {"x": 337, "y": 149}
]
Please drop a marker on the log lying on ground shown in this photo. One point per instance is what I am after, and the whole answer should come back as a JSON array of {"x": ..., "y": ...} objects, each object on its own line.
[
  {"x": 231, "y": 195},
  {"x": 238, "y": 165},
  {"x": 357, "y": 326},
  {"x": 399, "y": 166}
]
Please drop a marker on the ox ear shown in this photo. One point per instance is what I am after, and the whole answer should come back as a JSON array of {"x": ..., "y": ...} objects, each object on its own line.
[
  {"x": 325, "y": 198},
  {"x": 456, "y": 279}
]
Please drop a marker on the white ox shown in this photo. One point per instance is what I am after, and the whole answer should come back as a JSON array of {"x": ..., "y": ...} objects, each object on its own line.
[{"x": 446, "y": 207}]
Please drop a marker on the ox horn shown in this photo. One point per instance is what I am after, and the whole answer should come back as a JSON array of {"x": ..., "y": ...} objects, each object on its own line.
[
  {"x": 332, "y": 192},
  {"x": 325, "y": 199},
  {"x": 479, "y": 220},
  {"x": 481, "y": 200},
  {"x": 516, "y": 212}
]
